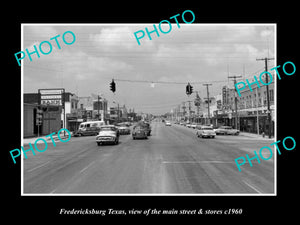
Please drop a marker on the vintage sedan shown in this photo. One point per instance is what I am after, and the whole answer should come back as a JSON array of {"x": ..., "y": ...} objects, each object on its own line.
[
  {"x": 108, "y": 134},
  {"x": 124, "y": 130},
  {"x": 227, "y": 130},
  {"x": 193, "y": 125},
  {"x": 205, "y": 131},
  {"x": 139, "y": 132},
  {"x": 145, "y": 126}
]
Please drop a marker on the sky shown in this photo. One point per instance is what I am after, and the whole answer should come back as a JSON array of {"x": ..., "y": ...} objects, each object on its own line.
[{"x": 150, "y": 77}]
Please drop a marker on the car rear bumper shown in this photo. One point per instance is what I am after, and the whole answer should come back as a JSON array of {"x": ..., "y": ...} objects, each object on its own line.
[
  {"x": 106, "y": 140},
  {"x": 139, "y": 135},
  {"x": 208, "y": 135}
]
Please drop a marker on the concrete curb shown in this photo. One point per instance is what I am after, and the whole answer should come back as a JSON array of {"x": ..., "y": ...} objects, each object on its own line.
[
  {"x": 48, "y": 139},
  {"x": 256, "y": 136}
]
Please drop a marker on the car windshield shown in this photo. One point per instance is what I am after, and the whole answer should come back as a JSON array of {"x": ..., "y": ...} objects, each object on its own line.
[
  {"x": 107, "y": 129},
  {"x": 207, "y": 128},
  {"x": 224, "y": 127},
  {"x": 139, "y": 128}
]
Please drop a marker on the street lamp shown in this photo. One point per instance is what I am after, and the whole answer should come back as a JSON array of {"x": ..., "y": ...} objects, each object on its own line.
[
  {"x": 100, "y": 96},
  {"x": 118, "y": 110}
]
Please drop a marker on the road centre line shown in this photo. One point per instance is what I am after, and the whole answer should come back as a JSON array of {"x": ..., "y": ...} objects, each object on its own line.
[
  {"x": 86, "y": 167},
  {"x": 251, "y": 186},
  {"x": 39, "y": 166},
  {"x": 169, "y": 162},
  {"x": 70, "y": 180}
]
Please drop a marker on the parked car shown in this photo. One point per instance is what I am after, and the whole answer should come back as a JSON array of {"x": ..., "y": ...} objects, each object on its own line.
[
  {"x": 193, "y": 125},
  {"x": 89, "y": 128},
  {"x": 205, "y": 131},
  {"x": 168, "y": 123},
  {"x": 124, "y": 130},
  {"x": 227, "y": 130},
  {"x": 108, "y": 134},
  {"x": 139, "y": 132}
]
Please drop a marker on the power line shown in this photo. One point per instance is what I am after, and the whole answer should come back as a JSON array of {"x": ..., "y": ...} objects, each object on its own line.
[{"x": 167, "y": 82}]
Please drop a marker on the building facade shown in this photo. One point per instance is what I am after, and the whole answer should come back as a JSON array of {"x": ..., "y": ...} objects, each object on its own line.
[
  {"x": 50, "y": 119},
  {"x": 253, "y": 110},
  {"x": 54, "y": 116}
]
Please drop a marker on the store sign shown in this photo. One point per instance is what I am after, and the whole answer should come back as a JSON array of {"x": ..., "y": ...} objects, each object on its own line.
[
  {"x": 51, "y": 96},
  {"x": 51, "y": 102}
]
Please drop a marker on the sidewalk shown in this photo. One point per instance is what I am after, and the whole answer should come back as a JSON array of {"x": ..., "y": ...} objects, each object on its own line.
[
  {"x": 251, "y": 135},
  {"x": 31, "y": 140}
]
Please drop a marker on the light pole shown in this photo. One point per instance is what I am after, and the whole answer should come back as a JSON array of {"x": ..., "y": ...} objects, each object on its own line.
[
  {"x": 118, "y": 111},
  {"x": 101, "y": 97},
  {"x": 98, "y": 106}
]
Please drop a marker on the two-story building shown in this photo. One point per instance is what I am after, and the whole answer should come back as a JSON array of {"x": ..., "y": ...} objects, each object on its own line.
[{"x": 253, "y": 110}]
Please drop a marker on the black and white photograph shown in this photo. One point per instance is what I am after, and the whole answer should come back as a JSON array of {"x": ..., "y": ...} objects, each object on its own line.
[
  {"x": 148, "y": 109},
  {"x": 152, "y": 112}
]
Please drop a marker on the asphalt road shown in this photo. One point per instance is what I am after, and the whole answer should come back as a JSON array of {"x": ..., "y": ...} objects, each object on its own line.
[{"x": 171, "y": 161}]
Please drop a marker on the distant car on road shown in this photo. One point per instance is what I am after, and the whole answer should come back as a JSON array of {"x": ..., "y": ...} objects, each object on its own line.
[
  {"x": 124, "y": 130},
  {"x": 108, "y": 134},
  {"x": 168, "y": 123},
  {"x": 139, "y": 132},
  {"x": 205, "y": 131},
  {"x": 227, "y": 130},
  {"x": 146, "y": 126}
]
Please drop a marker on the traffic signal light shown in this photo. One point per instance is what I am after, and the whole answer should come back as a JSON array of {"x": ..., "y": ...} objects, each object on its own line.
[
  {"x": 189, "y": 89},
  {"x": 113, "y": 86}
]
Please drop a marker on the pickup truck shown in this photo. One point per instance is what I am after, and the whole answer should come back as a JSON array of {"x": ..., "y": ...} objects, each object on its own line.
[{"x": 108, "y": 134}]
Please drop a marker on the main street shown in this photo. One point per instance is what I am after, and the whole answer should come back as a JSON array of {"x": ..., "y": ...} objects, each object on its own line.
[{"x": 171, "y": 161}]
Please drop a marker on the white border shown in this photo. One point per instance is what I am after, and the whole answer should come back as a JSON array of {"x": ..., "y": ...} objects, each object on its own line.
[{"x": 150, "y": 194}]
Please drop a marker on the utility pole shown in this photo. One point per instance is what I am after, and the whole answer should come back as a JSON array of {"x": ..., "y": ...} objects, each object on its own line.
[
  {"x": 208, "y": 100},
  {"x": 178, "y": 113},
  {"x": 183, "y": 108},
  {"x": 235, "y": 101},
  {"x": 257, "y": 117},
  {"x": 98, "y": 107},
  {"x": 267, "y": 87},
  {"x": 118, "y": 113},
  {"x": 197, "y": 104},
  {"x": 189, "y": 110}
]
